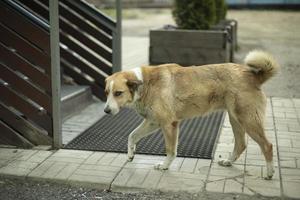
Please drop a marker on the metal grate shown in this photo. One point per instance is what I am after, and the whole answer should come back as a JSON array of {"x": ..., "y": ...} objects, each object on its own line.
[{"x": 197, "y": 136}]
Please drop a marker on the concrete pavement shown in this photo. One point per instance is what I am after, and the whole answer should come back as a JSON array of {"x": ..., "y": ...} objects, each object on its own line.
[{"x": 111, "y": 171}]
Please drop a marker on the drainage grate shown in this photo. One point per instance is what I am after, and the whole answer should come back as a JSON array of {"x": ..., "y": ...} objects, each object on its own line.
[{"x": 196, "y": 139}]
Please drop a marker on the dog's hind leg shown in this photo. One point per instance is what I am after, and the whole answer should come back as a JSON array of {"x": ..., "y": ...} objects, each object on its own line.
[
  {"x": 170, "y": 132},
  {"x": 256, "y": 131},
  {"x": 252, "y": 119},
  {"x": 239, "y": 142},
  {"x": 145, "y": 128}
]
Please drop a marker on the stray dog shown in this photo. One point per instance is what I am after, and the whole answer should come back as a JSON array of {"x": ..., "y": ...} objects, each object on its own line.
[{"x": 166, "y": 94}]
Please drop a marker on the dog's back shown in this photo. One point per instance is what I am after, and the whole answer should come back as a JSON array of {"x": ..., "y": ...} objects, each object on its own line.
[{"x": 196, "y": 90}]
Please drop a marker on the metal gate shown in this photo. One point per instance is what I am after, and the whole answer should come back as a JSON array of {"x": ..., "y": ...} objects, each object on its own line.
[{"x": 90, "y": 49}]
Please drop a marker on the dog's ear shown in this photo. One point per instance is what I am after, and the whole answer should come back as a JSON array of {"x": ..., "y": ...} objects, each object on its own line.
[{"x": 133, "y": 85}]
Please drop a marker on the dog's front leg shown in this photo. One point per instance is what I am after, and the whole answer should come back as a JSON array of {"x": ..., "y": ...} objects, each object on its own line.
[
  {"x": 145, "y": 128},
  {"x": 171, "y": 132}
]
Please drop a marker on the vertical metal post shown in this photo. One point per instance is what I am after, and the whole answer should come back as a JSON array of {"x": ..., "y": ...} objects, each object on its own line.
[
  {"x": 117, "y": 39},
  {"x": 55, "y": 72}
]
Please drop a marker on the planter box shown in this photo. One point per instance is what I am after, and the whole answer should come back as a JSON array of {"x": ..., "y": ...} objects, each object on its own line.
[
  {"x": 229, "y": 25},
  {"x": 189, "y": 47}
]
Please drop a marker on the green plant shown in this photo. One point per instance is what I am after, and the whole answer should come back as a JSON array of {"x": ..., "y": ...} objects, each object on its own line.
[
  {"x": 221, "y": 10},
  {"x": 194, "y": 14}
]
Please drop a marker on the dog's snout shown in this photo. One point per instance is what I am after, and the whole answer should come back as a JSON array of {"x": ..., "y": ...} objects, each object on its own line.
[{"x": 107, "y": 110}]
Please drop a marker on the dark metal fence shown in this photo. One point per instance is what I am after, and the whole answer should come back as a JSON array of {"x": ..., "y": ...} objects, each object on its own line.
[
  {"x": 25, "y": 86},
  {"x": 89, "y": 49},
  {"x": 86, "y": 38}
]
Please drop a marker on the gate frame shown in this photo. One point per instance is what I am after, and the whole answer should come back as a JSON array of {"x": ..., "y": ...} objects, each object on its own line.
[
  {"x": 55, "y": 63},
  {"x": 55, "y": 74}
]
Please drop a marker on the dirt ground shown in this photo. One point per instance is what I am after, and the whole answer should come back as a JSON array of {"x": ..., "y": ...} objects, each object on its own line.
[{"x": 277, "y": 32}]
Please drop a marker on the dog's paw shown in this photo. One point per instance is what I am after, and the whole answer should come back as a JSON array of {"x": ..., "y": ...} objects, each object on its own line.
[
  {"x": 160, "y": 166},
  {"x": 131, "y": 153},
  {"x": 130, "y": 158},
  {"x": 268, "y": 177},
  {"x": 270, "y": 173},
  {"x": 225, "y": 162}
]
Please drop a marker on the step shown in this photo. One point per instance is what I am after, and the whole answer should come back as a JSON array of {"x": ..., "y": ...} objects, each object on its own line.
[{"x": 74, "y": 98}]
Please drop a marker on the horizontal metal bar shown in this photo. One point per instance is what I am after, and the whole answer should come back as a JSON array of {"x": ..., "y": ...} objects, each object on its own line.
[
  {"x": 98, "y": 14},
  {"x": 30, "y": 16},
  {"x": 95, "y": 14}
]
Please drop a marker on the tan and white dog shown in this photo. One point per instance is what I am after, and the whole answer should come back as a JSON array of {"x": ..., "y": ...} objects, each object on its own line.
[{"x": 166, "y": 94}]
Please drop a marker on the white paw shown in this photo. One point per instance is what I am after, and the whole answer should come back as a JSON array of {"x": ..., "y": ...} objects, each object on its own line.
[
  {"x": 130, "y": 158},
  {"x": 269, "y": 177},
  {"x": 270, "y": 174},
  {"x": 160, "y": 166},
  {"x": 270, "y": 171},
  {"x": 225, "y": 162},
  {"x": 130, "y": 154}
]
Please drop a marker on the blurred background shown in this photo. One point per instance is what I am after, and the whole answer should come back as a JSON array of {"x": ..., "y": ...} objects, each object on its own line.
[{"x": 272, "y": 25}]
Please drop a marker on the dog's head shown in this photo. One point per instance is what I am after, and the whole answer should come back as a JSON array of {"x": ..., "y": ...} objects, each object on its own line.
[{"x": 120, "y": 90}]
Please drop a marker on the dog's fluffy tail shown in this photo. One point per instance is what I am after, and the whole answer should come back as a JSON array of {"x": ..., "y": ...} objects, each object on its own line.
[{"x": 263, "y": 65}]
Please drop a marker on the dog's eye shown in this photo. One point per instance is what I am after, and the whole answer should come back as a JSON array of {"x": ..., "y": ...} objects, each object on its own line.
[{"x": 118, "y": 93}]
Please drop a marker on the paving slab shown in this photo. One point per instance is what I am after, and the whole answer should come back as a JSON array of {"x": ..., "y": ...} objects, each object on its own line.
[{"x": 112, "y": 171}]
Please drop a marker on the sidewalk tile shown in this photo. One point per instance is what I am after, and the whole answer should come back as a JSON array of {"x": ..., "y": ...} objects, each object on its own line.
[
  {"x": 288, "y": 163},
  {"x": 41, "y": 169},
  {"x": 139, "y": 165},
  {"x": 254, "y": 171},
  {"x": 18, "y": 168},
  {"x": 291, "y": 189},
  {"x": 26, "y": 154},
  {"x": 78, "y": 154},
  {"x": 65, "y": 159},
  {"x": 247, "y": 191},
  {"x": 99, "y": 168},
  {"x": 296, "y": 143},
  {"x": 263, "y": 187},
  {"x": 188, "y": 165},
  {"x": 107, "y": 158},
  {"x": 94, "y": 158},
  {"x": 216, "y": 186},
  {"x": 120, "y": 160},
  {"x": 4, "y": 162},
  {"x": 174, "y": 174},
  {"x": 289, "y": 174},
  {"x": 168, "y": 183},
  {"x": 215, "y": 178},
  {"x": 40, "y": 156},
  {"x": 203, "y": 166},
  {"x": 151, "y": 157},
  {"x": 232, "y": 171},
  {"x": 98, "y": 173},
  {"x": 232, "y": 186},
  {"x": 54, "y": 170},
  {"x": 123, "y": 177},
  {"x": 67, "y": 171},
  {"x": 176, "y": 164},
  {"x": 152, "y": 179},
  {"x": 137, "y": 178},
  {"x": 8, "y": 154},
  {"x": 284, "y": 143},
  {"x": 102, "y": 182}
]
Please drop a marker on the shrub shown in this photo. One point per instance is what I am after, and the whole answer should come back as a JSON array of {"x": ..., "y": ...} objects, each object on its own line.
[
  {"x": 194, "y": 14},
  {"x": 221, "y": 10}
]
